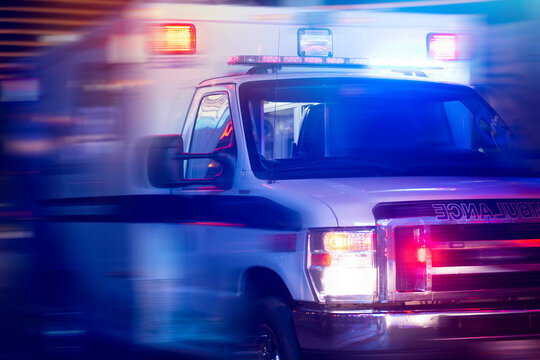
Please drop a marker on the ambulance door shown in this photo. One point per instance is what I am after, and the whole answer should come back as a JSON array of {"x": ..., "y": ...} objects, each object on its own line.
[
  {"x": 210, "y": 129},
  {"x": 178, "y": 299}
]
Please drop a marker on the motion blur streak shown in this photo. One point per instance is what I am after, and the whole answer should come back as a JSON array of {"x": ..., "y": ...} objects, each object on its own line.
[{"x": 258, "y": 207}]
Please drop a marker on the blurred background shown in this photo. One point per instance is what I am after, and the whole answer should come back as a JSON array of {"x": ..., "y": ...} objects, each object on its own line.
[{"x": 507, "y": 74}]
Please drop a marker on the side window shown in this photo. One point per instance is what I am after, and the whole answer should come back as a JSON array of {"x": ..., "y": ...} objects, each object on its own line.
[{"x": 213, "y": 130}]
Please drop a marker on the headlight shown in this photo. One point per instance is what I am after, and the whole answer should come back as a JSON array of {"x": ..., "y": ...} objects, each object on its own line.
[{"x": 341, "y": 264}]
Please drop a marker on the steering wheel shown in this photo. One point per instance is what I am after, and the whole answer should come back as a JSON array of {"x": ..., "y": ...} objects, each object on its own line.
[{"x": 492, "y": 129}]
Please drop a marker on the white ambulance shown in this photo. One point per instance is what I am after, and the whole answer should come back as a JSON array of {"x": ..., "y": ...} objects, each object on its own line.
[{"x": 334, "y": 186}]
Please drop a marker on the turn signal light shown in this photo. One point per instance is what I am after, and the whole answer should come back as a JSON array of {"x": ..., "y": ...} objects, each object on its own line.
[{"x": 347, "y": 241}]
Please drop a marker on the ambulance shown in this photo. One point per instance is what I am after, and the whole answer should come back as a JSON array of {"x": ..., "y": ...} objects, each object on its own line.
[{"x": 280, "y": 183}]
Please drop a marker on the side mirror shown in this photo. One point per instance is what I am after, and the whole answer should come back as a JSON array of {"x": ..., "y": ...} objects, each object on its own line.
[
  {"x": 164, "y": 168},
  {"x": 165, "y": 164}
]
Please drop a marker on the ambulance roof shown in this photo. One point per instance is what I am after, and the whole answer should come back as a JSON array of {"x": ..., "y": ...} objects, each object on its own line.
[{"x": 398, "y": 74}]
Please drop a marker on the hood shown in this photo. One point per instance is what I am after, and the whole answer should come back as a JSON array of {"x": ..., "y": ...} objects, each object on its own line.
[{"x": 352, "y": 199}]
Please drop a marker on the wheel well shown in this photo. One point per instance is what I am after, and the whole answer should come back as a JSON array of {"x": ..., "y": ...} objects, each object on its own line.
[{"x": 260, "y": 282}]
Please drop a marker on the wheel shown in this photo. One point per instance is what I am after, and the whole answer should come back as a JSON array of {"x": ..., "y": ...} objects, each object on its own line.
[{"x": 273, "y": 331}]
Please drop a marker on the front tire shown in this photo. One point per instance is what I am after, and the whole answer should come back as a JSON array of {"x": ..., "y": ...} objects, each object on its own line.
[{"x": 273, "y": 329}]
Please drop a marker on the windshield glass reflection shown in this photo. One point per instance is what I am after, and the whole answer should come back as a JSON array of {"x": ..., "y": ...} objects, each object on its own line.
[{"x": 374, "y": 127}]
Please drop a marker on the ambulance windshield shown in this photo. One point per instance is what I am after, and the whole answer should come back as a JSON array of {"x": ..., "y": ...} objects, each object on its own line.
[{"x": 372, "y": 127}]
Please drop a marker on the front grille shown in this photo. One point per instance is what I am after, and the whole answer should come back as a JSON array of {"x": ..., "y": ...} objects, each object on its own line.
[
  {"x": 484, "y": 231},
  {"x": 485, "y": 256},
  {"x": 488, "y": 256},
  {"x": 491, "y": 281},
  {"x": 490, "y": 325}
]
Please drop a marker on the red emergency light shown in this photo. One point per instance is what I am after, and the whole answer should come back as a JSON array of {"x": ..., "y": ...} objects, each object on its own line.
[
  {"x": 442, "y": 46},
  {"x": 412, "y": 254},
  {"x": 450, "y": 47},
  {"x": 173, "y": 39}
]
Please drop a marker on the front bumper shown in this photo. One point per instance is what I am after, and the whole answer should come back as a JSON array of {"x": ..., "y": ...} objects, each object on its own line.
[{"x": 415, "y": 332}]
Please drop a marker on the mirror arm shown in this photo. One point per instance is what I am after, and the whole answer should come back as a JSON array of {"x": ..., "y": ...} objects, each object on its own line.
[
  {"x": 214, "y": 156},
  {"x": 197, "y": 182},
  {"x": 188, "y": 156}
]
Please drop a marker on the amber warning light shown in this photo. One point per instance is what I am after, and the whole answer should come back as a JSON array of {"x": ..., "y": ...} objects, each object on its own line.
[{"x": 173, "y": 39}]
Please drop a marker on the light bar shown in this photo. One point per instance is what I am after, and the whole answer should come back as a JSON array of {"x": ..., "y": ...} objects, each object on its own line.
[
  {"x": 297, "y": 61},
  {"x": 173, "y": 39}
]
